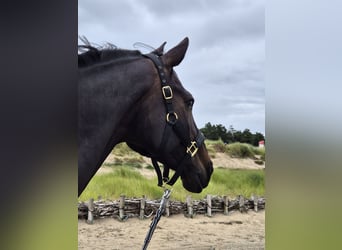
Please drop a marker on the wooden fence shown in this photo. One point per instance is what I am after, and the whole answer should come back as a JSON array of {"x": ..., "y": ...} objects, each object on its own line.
[{"x": 124, "y": 208}]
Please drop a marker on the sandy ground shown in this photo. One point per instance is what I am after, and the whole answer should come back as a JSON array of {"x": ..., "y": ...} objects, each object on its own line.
[
  {"x": 234, "y": 231},
  {"x": 224, "y": 161}
]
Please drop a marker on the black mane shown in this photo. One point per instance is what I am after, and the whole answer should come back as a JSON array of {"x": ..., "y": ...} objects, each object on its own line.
[{"x": 93, "y": 55}]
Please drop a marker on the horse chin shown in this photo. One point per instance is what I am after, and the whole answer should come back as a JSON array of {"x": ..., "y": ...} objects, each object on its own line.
[
  {"x": 196, "y": 181},
  {"x": 194, "y": 185}
]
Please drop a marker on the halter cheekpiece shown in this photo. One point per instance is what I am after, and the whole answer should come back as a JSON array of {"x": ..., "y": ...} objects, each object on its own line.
[{"x": 172, "y": 124}]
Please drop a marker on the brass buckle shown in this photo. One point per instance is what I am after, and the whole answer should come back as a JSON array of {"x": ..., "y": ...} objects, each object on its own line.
[
  {"x": 192, "y": 150},
  {"x": 165, "y": 94}
]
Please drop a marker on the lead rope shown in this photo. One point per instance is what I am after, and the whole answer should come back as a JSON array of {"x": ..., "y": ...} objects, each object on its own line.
[{"x": 160, "y": 211}]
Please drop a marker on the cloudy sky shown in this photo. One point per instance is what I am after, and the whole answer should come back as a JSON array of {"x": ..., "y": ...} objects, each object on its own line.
[{"x": 224, "y": 65}]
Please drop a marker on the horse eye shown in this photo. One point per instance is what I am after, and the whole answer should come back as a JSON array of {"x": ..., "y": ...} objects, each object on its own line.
[{"x": 190, "y": 104}]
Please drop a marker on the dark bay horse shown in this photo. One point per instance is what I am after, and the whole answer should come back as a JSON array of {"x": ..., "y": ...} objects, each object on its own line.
[{"x": 125, "y": 96}]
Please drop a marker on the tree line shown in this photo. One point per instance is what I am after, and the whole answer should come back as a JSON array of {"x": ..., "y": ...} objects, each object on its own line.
[{"x": 216, "y": 132}]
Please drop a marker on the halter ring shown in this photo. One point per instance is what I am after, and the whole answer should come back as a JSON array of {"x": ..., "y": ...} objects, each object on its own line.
[{"x": 174, "y": 119}]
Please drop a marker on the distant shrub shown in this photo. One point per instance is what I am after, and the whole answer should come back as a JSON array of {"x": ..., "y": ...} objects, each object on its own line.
[
  {"x": 149, "y": 167},
  {"x": 240, "y": 150},
  {"x": 118, "y": 161},
  {"x": 109, "y": 164},
  {"x": 258, "y": 151},
  {"x": 214, "y": 147},
  {"x": 213, "y": 156},
  {"x": 262, "y": 157},
  {"x": 121, "y": 149},
  {"x": 211, "y": 150},
  {"x": 135, "y": 165},
  {"x": 129, "y": 160},
  {"x": 220, "y": 148},
  {"x": 259, "y": 162}
]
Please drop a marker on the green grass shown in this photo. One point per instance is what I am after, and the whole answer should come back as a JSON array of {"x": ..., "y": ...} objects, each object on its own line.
[
  {"x": 122, "y": 149},
  {"x": 125, "y": 180}
]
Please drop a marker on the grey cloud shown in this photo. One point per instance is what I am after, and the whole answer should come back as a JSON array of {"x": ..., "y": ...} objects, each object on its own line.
[
  {"x": 235, "y": 25},
  {"x": 181, "y": 8},
  {"x": 224, "y": 64}
]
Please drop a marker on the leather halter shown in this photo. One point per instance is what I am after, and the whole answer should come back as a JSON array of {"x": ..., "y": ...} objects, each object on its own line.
[{"x": 172, "y": 123}]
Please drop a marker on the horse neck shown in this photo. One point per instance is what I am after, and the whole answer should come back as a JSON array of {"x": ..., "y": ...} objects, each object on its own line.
[
  {"x": 107, "y": 100},
  {"x": 112, "y": 94}
]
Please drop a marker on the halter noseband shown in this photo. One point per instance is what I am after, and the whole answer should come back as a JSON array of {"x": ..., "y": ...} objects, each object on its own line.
[{"x": 172, "y": 123}]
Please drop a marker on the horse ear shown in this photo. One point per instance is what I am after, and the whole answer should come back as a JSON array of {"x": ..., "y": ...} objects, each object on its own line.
[
  {"x": 160, "y": 50},
  {"x": 175, "y": 55}
]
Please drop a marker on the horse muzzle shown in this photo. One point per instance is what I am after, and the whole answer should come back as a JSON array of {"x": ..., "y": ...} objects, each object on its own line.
[{"x": 196, "y": 181}]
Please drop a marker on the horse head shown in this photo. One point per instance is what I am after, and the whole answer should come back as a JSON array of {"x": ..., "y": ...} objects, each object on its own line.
[{"x": 163, "y": 127}]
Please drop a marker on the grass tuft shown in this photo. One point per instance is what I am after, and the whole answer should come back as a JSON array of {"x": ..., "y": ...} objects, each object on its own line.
[
  {"x": 130, "y": 182},
  {"x": 125, "y": 178},
  {"x": 240, "y": 150}
]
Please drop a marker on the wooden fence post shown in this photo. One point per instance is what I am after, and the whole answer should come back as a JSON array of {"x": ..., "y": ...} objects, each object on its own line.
[
  {"x": 122, "y": 207},
  {"x": 242, "y": 206},
  {"x": 225, "y": 205},
  {"x": 189, "y": 206},
  {"x": 142, "y": 207},
  {"x": 209, "y": 205},
  {"x": 90, "y": 219},
  {"x": 255, "y": 203}
]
